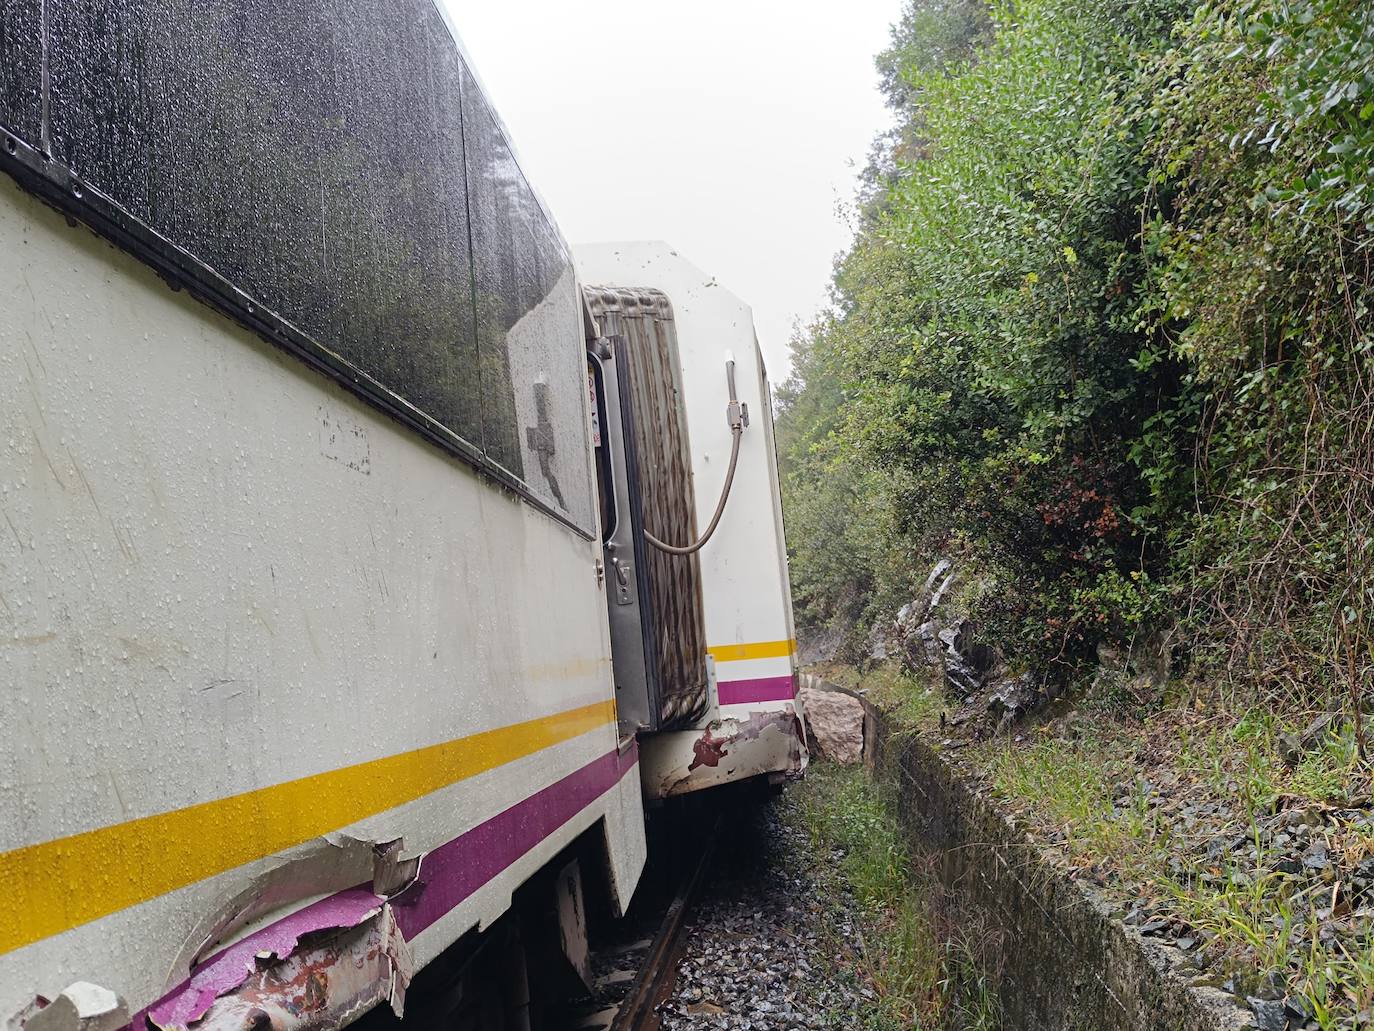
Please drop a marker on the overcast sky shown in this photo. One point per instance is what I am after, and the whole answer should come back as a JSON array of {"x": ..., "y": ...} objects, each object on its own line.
[{"x": 733, "y": 129}]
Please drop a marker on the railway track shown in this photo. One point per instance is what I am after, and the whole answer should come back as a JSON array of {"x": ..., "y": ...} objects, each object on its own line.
[
  {"x": 499, "y": 985},
  {"x": 656, "y": 974},
  {"x": 656, "y": 977}
]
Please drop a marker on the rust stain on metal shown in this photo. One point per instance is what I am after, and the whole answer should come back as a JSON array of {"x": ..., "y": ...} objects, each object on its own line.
[
  {"x": 712, "y": 747},
  {"x": 324, "y": 984},
  {"x": 708, "y": 750},
  {"x": 321, "y": 987}
]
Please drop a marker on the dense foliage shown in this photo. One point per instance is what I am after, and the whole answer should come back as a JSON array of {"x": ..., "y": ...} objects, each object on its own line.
[{"x": 1104, "y": 334}]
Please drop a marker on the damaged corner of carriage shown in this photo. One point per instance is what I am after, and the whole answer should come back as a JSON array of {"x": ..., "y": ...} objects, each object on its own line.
[
  {"x": 320, "y": 974},
  {"x": 318, "y": 967},
  {"x": 750, "y": 742}
]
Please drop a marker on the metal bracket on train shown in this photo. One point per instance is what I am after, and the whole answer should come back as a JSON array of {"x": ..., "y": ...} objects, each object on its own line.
[
  {"x": 736, "y": 411},
  {"x": 623, "y": 571}
]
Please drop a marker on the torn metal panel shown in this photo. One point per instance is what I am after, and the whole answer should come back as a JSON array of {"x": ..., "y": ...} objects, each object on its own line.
[
  {"x": 725, "y": 750},
  {"x": 278, "y": 972},
  {"x": 332, "y": 863},
  {"x": 392, "y": 870},
  {"x": 320, "y": 986}
]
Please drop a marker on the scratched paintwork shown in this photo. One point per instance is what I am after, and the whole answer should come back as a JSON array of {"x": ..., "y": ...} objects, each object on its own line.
[{"x": 722, "y": 752}]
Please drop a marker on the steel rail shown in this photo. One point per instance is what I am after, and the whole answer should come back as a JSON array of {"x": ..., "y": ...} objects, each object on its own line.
[{"x": 657, "y": 975}]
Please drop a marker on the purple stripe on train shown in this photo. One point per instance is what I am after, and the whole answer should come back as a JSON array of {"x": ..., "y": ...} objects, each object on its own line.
[
  {"x": 759, "y": 689},
  {"x": 454, "y": 870}
]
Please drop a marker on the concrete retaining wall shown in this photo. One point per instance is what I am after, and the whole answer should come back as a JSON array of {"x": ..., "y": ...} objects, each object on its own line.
[{"x": 1059, "y": 959}]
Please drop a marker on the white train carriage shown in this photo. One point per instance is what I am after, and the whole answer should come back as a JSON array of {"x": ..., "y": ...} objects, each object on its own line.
[
  {"x": 311, "y": 526},
  {"x": 744, "y": 720},
  {"x": 287, "y": 646}
]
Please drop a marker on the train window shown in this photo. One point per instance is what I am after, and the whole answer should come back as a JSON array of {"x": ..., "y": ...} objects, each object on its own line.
[
  {"x": 302, "y": 164},
  {"x": 529, "y": 327},
  {"x": 283, "y": 145}
]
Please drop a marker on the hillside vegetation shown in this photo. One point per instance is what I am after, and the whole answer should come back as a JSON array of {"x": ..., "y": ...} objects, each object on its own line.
[
  {"x": 1104, "y": 337},
  {"x": 1093, "y": 409}
]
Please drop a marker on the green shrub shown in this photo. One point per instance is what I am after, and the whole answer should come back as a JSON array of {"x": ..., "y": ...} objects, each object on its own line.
[{"x": 1104, "y": 333}]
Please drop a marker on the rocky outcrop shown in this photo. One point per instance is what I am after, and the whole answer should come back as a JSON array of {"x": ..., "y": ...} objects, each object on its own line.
[
  {"x": 915, "y": 634},
  {"x": 968, "y": 665},
  {"x": 930, "y": 634},
  {"x": 1011, "y": 698}
]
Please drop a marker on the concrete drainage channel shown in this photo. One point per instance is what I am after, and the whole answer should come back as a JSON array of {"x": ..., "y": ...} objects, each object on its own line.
[{"x": 1063, "y": 961}]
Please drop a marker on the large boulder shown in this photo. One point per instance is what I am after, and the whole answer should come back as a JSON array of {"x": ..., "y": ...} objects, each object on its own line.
[{"x": 834, "y": 724}]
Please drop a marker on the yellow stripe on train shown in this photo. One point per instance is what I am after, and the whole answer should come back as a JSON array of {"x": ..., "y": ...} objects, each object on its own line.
[
  {"x": 752, "y": 650},
  {"x": 71, "y": 881}
]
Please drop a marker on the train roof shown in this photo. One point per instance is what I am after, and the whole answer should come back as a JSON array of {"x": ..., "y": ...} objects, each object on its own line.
[{"x": 658, "y": 265}]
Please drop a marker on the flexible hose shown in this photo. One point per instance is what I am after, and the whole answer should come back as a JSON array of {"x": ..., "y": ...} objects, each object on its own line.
[{"x": 737, "y": 432}]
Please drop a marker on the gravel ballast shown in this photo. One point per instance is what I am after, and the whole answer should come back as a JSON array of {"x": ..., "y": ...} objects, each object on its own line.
[{"x": 772, "y": 938}]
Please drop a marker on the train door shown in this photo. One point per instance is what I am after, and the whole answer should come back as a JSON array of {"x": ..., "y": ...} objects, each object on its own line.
[
  {"x": 618, "y": 535},
  {"x": 658, "y": 641}
]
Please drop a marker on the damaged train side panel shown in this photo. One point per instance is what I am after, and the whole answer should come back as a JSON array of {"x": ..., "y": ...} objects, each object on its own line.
[
  {"x": 318, "y": 968},
  {"x": 724, "y": 751},
  {"x": 246, "y": 621}
]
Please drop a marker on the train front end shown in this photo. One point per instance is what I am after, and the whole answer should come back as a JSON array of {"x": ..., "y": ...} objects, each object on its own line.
[{"x": 746, "y": 721}]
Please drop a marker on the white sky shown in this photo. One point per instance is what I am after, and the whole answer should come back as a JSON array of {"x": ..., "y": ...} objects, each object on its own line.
[{"x": 733, "y": 129}]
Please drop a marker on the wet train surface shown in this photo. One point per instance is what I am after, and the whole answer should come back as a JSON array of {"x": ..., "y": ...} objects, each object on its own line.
[{"x": 371, "y": 560}]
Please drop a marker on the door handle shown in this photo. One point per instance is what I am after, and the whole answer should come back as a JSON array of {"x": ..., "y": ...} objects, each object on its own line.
[{"x": 622, "y": 581}]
